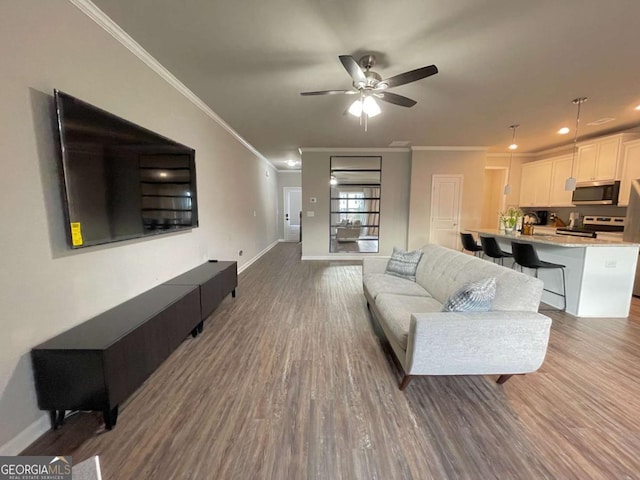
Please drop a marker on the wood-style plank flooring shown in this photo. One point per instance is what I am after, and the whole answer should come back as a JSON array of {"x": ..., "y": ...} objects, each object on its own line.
[{"x": 289, "y": 381}]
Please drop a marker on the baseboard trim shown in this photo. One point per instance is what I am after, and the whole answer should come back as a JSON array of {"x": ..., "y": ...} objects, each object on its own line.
[
  {"x": 332, "y": 257},
  {"x": 26, "y": 437},
  {"x": 257, "y": 257}
]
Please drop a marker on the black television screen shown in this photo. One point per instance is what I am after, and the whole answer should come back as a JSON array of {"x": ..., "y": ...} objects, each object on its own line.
[{"x": 121, "y": 181}]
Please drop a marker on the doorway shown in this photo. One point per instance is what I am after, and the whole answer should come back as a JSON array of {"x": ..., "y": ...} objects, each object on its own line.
[
  {"x": 292, "y": 210},
  {"x": 446, "y": 200},
  {"x": 494, "y": 199}
]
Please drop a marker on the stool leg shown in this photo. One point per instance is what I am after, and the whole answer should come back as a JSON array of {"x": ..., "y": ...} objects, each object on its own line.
[{"x": 564, "y": 291}]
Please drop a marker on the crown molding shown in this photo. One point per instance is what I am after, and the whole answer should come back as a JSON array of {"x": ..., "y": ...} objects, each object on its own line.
[
  {"x": 353, "y": 149},
  {"x": 507, "y": 155},
  {"x": 98, "y": 16},
  {"x": 450, "y": 149}
]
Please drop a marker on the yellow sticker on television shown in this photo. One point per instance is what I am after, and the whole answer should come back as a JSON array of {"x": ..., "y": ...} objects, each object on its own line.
[{"x": 76, "y": 234}]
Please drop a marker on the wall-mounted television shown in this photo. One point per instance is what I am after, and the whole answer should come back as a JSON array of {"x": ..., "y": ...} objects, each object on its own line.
[{"x": 121, "y": 181}]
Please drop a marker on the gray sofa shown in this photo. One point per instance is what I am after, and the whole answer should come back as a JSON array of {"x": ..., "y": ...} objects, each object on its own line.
[{"x": 509, "y": 339}]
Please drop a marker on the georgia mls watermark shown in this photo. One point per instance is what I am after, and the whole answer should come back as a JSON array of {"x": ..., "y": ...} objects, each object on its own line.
[{"x": 35, "y": 468}]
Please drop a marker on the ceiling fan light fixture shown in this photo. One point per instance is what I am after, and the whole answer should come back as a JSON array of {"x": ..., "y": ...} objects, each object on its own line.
[
  {"x": 356, "y": 108},
  {"x": 370, "y": 107}
]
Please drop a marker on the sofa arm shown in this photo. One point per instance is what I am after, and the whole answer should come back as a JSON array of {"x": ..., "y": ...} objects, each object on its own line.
[
  {"x": 478, "y": 343},
  {"x": 374, "y": 265}
]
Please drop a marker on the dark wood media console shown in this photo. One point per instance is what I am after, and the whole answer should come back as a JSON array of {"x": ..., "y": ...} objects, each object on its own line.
[
  {"x": 98, "y": 364},
  {"x": 215, "y": 281}
]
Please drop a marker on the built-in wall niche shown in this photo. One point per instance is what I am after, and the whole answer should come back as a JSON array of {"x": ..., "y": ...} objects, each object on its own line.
[{"x": 355, "y": 204}]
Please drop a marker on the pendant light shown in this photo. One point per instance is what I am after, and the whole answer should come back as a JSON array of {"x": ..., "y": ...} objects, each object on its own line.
[
  {"x": 512, "y": 147},
  {"x": 570, "y": 183}
]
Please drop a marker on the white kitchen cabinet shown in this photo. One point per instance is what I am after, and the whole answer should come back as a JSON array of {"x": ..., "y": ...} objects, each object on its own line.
[
  {"x": 535, "y": 184},
  {"x": 561, "y": 170},
  {"x": 598, "y": 159},
  {"x": 630, "y": 169}
]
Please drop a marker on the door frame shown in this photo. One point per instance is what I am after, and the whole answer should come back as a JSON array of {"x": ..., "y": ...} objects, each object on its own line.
[
  {"x": 285, "y": 208},
  {"x": 434, "y": 177}
]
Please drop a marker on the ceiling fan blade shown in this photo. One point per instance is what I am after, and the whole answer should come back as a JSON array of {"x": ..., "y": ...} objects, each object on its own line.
[
  {"x": 353, "y": 69},
  {"x": 408, "y": 77},
  {"x": 395, "y": 99},
  {"x": 330, "y": 92}
]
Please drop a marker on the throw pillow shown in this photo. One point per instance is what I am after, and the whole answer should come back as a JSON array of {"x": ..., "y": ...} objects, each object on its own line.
[
  {"x": 473, "y": 297},
  {"x": 403, "y": 264}
]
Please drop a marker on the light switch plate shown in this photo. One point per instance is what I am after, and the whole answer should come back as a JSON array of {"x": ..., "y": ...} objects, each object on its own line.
[{"x": 311, "y": 213}]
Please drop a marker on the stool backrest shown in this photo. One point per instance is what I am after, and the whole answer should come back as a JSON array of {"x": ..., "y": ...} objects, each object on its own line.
[
  {"x": 524, "y": 254},
  {"x": 468, "y": 242},
  {"x": 491, "y": 248}
]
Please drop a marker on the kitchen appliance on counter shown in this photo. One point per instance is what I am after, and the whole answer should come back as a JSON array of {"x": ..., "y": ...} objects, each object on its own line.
[
  {"x": 632, "y": 228},
  {"x": 593, "y": 224},
  {"x": 536, "y": 217},
  {"x": 596, "y": 193}
]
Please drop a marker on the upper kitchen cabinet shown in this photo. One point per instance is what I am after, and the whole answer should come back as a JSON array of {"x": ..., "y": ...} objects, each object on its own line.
[
  {"x": 558, "y": 196},
  {"x": 535, "y": 184},
  {"x": 630, "y": 169},
  {"x": 599, "y": 159}
]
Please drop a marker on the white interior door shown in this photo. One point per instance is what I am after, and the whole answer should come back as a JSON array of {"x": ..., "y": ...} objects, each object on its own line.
[
  {"x": 292, "y": 209},
  {"x": 446, "y": 198}
]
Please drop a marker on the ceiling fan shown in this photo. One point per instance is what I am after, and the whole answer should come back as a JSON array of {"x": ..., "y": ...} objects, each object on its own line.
[{"x": 370, "y": 86}]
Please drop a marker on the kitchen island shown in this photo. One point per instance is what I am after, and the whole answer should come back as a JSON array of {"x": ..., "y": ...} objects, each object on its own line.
[{"x": 599, "y": 273}]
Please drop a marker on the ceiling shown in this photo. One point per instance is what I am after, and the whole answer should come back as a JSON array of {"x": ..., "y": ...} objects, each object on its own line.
[{"x": 501, "y": 62}]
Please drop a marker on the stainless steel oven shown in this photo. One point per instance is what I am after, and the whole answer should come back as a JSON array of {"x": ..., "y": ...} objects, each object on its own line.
[{"x": 596, "y": 193}]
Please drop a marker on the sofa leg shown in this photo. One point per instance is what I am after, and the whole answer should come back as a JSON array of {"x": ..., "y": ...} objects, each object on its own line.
[
  {"x": 405, "y": 381},
  {"x": 503, "y": 378}
]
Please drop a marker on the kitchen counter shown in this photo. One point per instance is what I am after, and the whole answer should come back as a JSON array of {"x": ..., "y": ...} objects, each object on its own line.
[
  {"x": 599, "y": 272},
  {"x": 558, "y": 240}
]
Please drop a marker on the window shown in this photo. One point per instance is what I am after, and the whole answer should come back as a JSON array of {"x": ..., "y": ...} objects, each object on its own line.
[{"x": 355, "y": 204}]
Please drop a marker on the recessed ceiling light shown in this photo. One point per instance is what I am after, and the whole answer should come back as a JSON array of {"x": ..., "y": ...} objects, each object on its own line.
[
  {"x": 637, "y": 107},
  {"x": 601, "y": 121},
  {"x": 563, "y": 130},
  {"x": 513, "y": 146},
  {"x": 291, "y": 163}
]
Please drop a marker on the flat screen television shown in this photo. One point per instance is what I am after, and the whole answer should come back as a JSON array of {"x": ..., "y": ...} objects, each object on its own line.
[{"x": 121, "y": 181}]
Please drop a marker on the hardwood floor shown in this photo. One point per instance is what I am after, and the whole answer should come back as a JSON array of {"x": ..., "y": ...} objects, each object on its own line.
[{"x": 289, "y": 381}]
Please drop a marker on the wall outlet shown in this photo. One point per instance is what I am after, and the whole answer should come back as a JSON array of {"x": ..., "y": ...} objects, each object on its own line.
[
  {"x": 313, "y": 200},
  {"x": 255, "y": 214},
  {"x": 311, "y": 213}
]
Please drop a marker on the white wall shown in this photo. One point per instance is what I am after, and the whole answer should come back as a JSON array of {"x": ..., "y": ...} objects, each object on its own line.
[
  {"x": 286, "y": 178},
  {"x": 394, "y": 201},
  {"x": 45, "y": 288},
  {"x": 426, "y": 163}
]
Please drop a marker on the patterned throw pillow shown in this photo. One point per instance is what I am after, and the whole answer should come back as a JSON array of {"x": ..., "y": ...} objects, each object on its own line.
[
  {"x": 403, "y": 264},
  {"x": 473, "y": 297}
]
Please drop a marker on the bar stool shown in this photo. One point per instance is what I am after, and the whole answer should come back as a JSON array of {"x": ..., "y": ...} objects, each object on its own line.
[
  {"x": 491, "y": 249},
  {"x": 469, "y": 243},
  {"x": 525, "y": 255}
]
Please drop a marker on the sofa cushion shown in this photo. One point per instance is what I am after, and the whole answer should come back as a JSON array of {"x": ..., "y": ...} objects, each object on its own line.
[
  {"x": 403, "y": 264},
  {"x": 377, "y": 283},
  {"x": 473, "y": 297},
  {"x": 396, "y": 311}
]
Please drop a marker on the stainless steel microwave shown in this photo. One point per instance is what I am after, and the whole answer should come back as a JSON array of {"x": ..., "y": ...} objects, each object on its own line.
[{"x": 596, "y": 193}]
